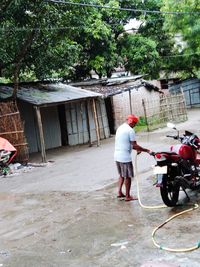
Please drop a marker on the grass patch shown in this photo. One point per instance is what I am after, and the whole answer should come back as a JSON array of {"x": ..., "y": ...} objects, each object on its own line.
[{"x": 141, "y": 126}]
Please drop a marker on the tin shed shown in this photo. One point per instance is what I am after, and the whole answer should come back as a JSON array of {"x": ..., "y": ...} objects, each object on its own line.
[
  {"x": 191, "y": 90},
  {"x": 123, "y": 95},
  {"x": 57, "y": 114}
]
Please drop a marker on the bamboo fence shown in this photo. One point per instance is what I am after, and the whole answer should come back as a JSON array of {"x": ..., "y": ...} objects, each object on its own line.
[{"x": 171, "y": 108}]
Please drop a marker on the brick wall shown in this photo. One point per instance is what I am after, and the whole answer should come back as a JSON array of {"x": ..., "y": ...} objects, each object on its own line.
[{"x": 121, "y": 104}]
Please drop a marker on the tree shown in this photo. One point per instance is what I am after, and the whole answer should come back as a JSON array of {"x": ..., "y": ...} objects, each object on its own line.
[
  {"x": 140, "y": 55},
  {"x": 187, "y": 27},
  {"x": 98, "y": 46},
  {"x": 41, "y": 39},
  {"x": 98, "y": 39},
  {"x": 36, "y": 38},
  {"x": 101, "y": 41}
]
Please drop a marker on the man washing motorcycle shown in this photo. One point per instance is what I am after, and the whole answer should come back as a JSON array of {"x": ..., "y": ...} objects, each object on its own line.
[{"x": 125, "y": 141}]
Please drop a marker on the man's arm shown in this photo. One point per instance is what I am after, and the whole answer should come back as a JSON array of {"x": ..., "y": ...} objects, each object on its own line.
[{"x": 137, "y": 147}]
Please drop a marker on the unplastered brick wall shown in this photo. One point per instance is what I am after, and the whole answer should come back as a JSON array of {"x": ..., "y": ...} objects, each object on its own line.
[
  {"x": 121, "y": 108},
  {"x": 121, "y": 104}
]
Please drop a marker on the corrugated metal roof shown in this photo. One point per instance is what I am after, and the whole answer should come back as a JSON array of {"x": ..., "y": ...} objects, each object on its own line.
[
  {"x": 47, "y": 93},
  {"x": 117, "y": 86},
  {"x": 107, "y": 81}
]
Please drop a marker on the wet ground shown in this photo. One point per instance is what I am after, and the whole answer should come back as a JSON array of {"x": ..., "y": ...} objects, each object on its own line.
[{"x": 65, "y": 213}]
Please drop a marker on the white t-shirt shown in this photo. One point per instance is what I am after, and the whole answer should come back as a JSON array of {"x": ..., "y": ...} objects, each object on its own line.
[{"x": 123, "y": 138}]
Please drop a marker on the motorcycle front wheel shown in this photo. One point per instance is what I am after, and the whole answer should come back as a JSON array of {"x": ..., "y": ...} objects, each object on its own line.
[{"x": 169, "y": 191}]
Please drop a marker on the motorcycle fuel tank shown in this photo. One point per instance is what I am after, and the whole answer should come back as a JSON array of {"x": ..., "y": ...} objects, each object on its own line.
[{"x": 185, "y": 151}]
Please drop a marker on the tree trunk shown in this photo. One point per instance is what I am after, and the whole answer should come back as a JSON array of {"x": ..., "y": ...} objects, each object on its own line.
[
  {"x": 19, "y": 58},
  {"x": 16, "y": 81}
]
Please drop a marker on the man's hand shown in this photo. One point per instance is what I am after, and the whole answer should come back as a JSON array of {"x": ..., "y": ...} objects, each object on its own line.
[{"x": 151, "y": 153}]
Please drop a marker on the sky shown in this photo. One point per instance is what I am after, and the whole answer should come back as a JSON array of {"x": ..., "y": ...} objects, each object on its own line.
[{"x": 133, "y": 23}]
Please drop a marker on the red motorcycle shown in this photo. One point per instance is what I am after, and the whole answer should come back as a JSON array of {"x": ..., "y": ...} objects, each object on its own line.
[{"x": 178, "y": 168}]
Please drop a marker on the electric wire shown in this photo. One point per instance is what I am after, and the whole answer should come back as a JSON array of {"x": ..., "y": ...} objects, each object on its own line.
[
  {"x": 182, "y": 55},
  {"x": 40, "y": 28},
  {"x": 195, "y": 206},
  {"x": 27, "y": 29},
  {"x": 145, "y": 11}
]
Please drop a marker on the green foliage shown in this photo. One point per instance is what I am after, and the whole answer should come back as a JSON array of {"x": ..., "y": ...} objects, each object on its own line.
[
  {"x": 41, "y": 40},
  {"x": 141, "y": 125},
  {"x": 142, "y": 121},
  {"x": 140, "y": 54},
  {"x": 187, "y": 27},
  {"x": 152, "y": 27}
]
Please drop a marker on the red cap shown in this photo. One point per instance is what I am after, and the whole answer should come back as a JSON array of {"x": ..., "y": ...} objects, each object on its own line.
[{"x": 132, "y": 119}]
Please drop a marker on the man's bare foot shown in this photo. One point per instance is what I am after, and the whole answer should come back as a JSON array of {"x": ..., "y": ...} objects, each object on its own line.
[
  {"x": 121, "y": 195},
  {"x": 131, "y": 198}
]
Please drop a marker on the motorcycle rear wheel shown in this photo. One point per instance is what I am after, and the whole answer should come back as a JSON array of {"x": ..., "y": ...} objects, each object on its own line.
[{"x": 169, "y": 192}]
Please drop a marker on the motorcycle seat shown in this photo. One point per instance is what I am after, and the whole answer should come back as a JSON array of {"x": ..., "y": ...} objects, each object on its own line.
[{"x": 168, "y": 153}]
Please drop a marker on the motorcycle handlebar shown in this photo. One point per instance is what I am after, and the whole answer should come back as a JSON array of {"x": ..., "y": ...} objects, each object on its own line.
[{"x": 172, "y": 136}]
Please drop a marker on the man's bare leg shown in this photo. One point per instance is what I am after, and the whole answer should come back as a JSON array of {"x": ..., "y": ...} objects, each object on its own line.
[
  {"x": 120, "y": 184},
  {"x": 128, "y": 188}
]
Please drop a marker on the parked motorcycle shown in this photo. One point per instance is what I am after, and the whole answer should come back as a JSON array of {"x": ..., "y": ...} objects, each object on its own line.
[
  {"x": 178, "y": 168},
  {"x": 7, "y": 153}
]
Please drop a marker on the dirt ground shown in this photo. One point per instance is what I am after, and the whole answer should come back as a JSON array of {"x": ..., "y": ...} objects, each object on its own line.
[{"x": 65, "y": 212}]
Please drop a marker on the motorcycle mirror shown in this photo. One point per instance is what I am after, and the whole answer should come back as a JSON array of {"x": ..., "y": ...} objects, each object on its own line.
[{"x": 171, "y": 125}]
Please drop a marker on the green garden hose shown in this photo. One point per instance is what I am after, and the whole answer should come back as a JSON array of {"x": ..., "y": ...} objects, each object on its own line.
[{"x": 168, "y": 220}]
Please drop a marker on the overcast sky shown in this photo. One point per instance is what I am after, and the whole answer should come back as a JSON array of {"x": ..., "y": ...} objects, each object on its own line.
[{"x": 133, "y": 23}]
